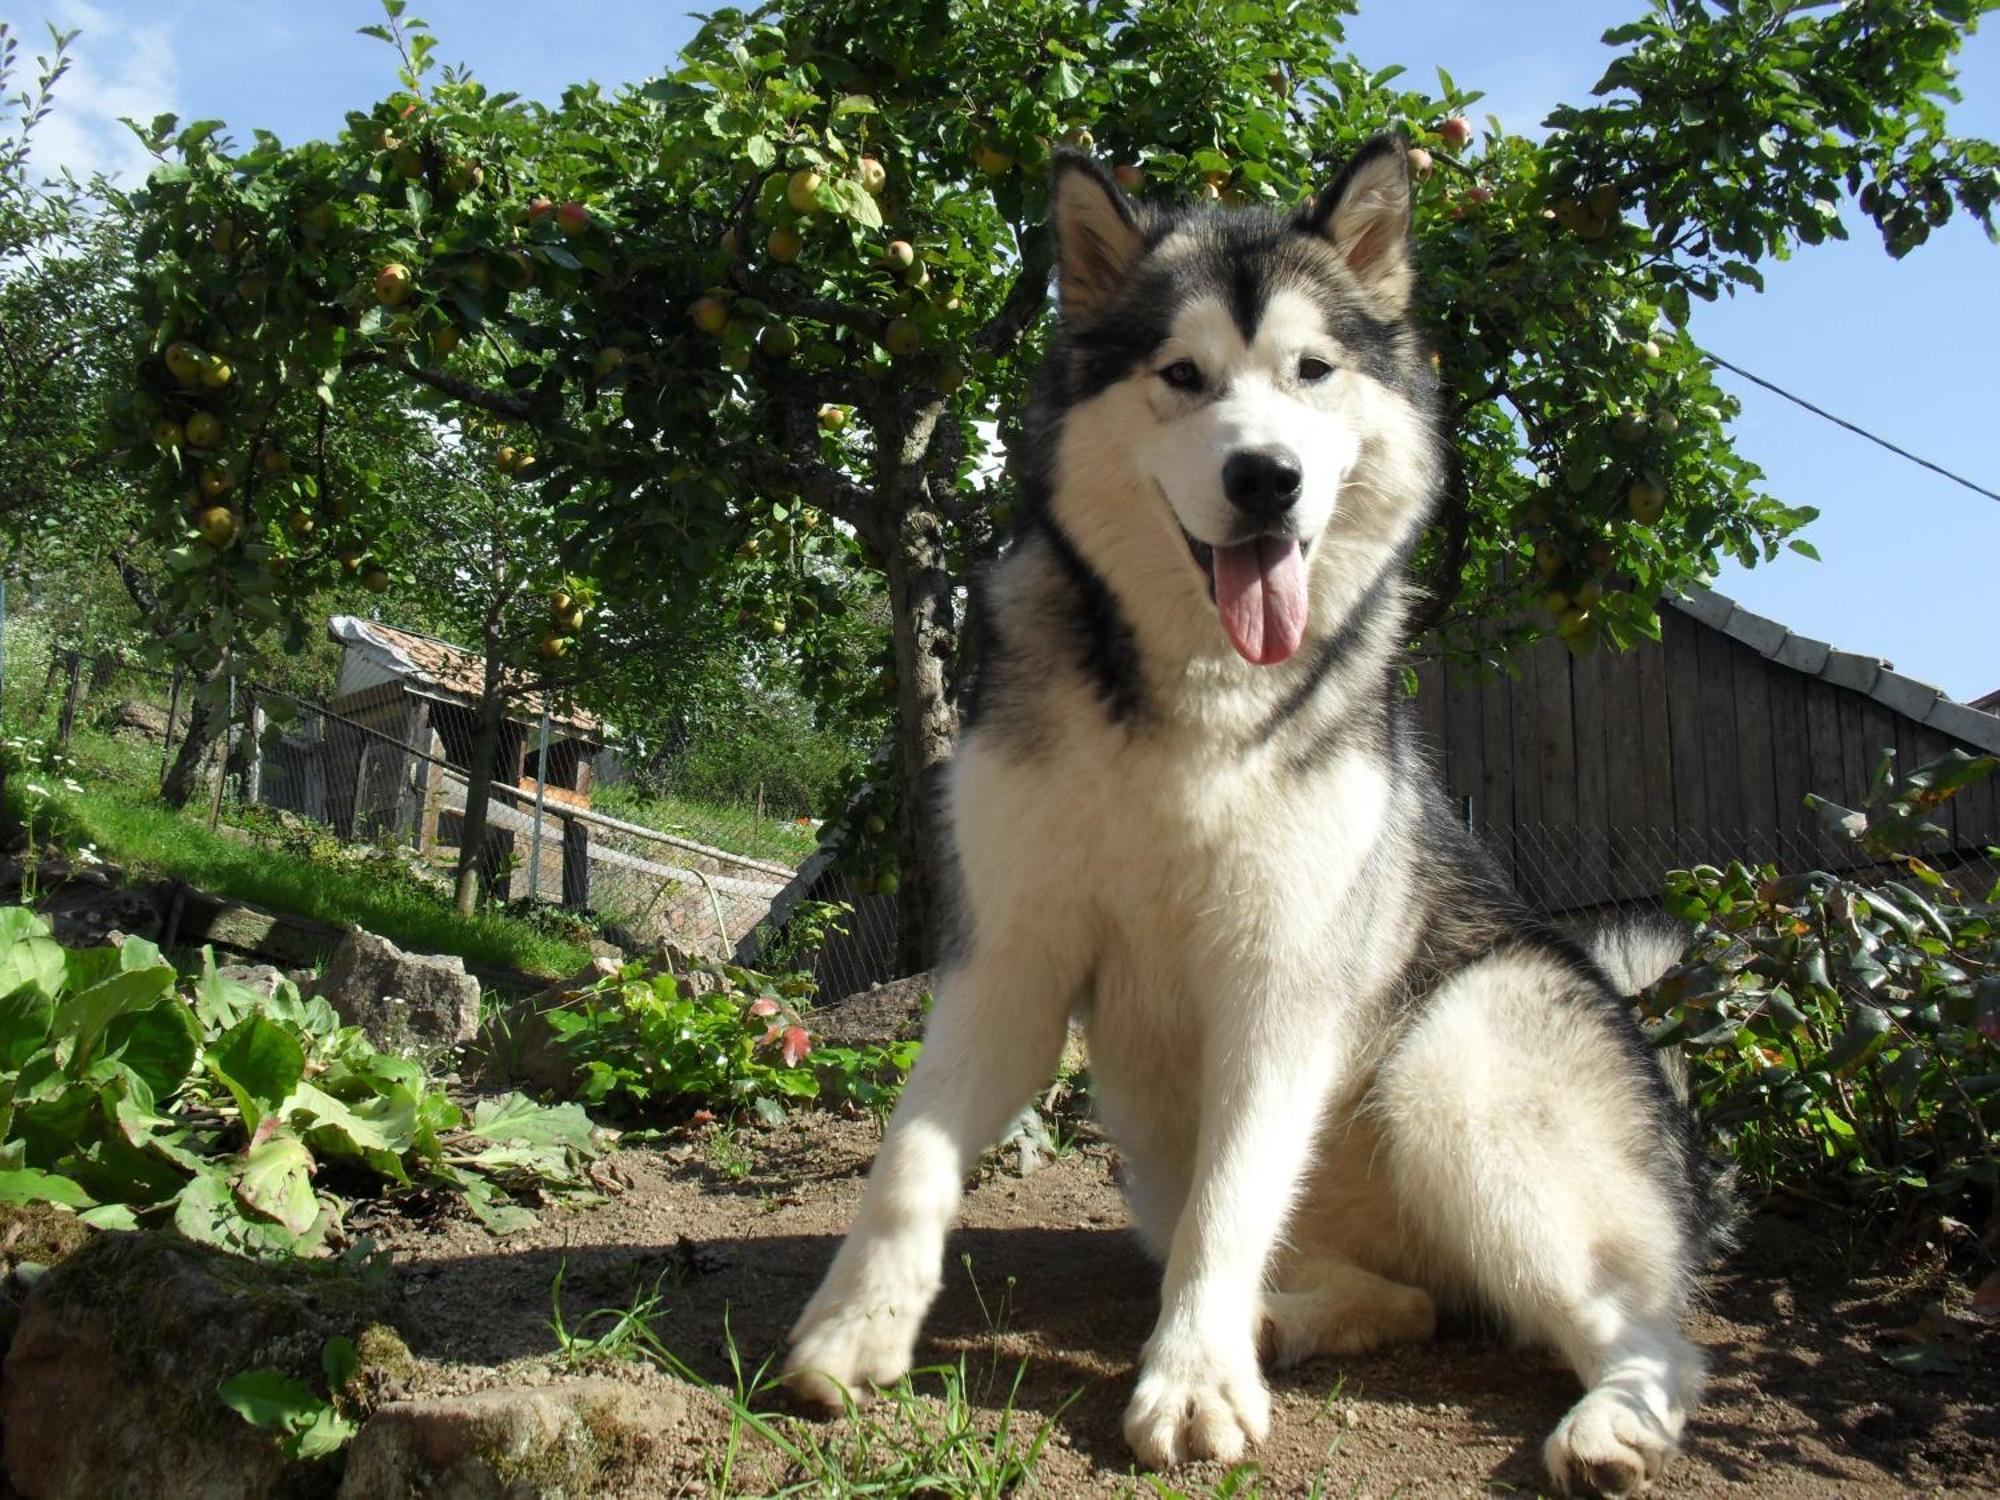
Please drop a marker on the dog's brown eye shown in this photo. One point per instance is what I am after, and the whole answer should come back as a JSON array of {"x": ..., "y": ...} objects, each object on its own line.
[
  {"x": 1182, "y": 375},
  {"x": 1312, "y": 371}
]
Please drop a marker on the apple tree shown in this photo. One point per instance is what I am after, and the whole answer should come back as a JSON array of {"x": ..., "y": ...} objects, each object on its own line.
[{"x": 770, "y": 304}]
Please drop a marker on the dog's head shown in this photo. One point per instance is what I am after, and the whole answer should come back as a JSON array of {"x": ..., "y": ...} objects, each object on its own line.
[{"x": 1251, "y": 372}]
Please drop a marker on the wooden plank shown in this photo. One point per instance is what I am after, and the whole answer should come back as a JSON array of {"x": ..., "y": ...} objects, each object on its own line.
[
  {"x": 1855, "y": 764},
  {"x": 1553, "y": 747},
  {"x": 1716, "y": 692},
  {"x": 1461, "y": 712},
  {"x": 1521, "y": 737},
  {"x": 1625, "y": 754},
  {"x": 1589, "y": 706},
  {"x": 1825, "y": 757},
  {"x": 1429, "y": 714},
  {"x": 1495, "y": 809},
  {"x": 1754, "y": 773},
  {"x": 1682, "y": 681},
  {"x": 1791, "y": 774}
]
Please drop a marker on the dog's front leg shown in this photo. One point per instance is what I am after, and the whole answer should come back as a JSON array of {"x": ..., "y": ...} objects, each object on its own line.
[
  {"x": 1200, "y": 1392},
  {"x": 995, "y": 1032}
]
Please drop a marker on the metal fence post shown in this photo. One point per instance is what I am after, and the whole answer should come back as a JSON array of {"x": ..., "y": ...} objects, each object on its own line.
[{"x": 541, "y": 790}]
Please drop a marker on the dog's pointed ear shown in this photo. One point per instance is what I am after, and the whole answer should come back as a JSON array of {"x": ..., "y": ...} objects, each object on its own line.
[
  {"x": 1365, "y": 215},
  {"x": 1097, "y": 233}
]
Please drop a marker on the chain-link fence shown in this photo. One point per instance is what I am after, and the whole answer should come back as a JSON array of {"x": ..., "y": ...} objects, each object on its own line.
[{"x": 391, "y": 768}]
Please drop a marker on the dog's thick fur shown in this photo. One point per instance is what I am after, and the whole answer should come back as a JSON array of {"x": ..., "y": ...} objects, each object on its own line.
[{"x": 1352, "y": 1077}]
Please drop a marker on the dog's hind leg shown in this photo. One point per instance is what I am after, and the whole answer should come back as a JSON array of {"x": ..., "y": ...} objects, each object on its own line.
[
  {"x": 1525, "y": 1137},
  {"x": 1340, "y": 1309}
]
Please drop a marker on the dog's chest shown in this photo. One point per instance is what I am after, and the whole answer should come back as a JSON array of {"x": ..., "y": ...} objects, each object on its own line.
[{"x": 1188, "y": 864}]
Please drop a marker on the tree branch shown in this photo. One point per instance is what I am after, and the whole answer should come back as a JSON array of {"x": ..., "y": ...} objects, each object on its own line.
[
  {"x": 1025, "y": 298},
  {"x": 500, "y": 404}
]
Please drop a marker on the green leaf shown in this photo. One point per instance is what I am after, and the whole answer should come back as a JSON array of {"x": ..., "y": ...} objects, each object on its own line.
[
  {"x": 276, "y": 1181},
  {"x": 848, "y": 198},
  {"x": 80, "y": 1020},
  {"x": 517, "y": 1120},
  {"x": 28, "y": 955},
  {"x": 270, "y": 1399},
  {"x": 338, "y": 1361},
  {"x": 27, "y": 1185},
  {"x": 159, "y": 1044},
  {"x": 260, "y": 1063},
  {"x": 24, "y": 1026},
  {"x": 326, "y": 1434}
]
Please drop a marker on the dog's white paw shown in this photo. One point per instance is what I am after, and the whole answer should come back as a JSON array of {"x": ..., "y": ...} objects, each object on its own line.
[
  {"x": 1611, "y": 1443},
  {"x": 1197, "y": 1404},
  {"x": 860, "y": 1329}
]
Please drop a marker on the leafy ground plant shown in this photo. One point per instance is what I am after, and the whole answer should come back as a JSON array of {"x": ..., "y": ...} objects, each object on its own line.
[
  {"x": 309, "y": 1425},
  {"x": 1842, "y": 1027},
  {"x": 132, "y": 1099},
  {"x": 715, "y": 1036}
]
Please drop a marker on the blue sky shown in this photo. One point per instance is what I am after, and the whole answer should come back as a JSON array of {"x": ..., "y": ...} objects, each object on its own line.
[{"x": 1909, "y": 349}]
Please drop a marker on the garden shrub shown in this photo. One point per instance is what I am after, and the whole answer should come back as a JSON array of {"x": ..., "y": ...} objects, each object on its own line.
[{"x": 1842, "y": 1027}]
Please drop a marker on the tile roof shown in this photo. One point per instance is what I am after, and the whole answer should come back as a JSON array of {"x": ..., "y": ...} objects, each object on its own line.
[
  {"x": 1914, "y": 700},
  {"x": 444, "y": 670}
]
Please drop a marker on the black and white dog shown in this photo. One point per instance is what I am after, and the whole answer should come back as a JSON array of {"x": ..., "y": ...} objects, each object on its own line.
[{"x": 1352, "y": 1077}]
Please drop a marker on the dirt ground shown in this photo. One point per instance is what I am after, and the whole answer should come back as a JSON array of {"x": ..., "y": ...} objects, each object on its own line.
[{"x": 1803, "y": 1399}]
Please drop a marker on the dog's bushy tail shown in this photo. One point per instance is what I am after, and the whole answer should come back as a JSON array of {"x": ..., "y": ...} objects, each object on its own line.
[{"x": 1635, "y": 951}]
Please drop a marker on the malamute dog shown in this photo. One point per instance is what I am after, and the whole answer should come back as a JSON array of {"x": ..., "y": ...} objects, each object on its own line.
[{"x": 1352, "y": 1078}]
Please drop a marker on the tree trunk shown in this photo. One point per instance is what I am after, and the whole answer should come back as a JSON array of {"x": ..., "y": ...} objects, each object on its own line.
[
  {"x": 205, "y": 721},
  {"x": 481, "y": 763},
  {"x": 925, "y": 635}
]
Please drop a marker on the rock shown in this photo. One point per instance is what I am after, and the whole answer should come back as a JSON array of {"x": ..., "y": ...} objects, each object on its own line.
[
  {"x": 517, "y": 1047},
  {"x": 511, "y": 1443},
  {"x": 109, "y": 1384},
  {"x": 399, "y": 998},
  {"x": 263, "y": 978},
  {"x": 892, "y": 1012},
  {"x": 135, "y": 720}
]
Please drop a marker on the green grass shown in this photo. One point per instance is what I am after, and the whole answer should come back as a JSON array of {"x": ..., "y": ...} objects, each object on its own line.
[
  {"x": 737, "y": 829},
  {"x": 130, "y": 828}
]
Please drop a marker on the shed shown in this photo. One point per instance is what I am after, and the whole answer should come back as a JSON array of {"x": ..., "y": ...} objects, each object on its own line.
[
  {"x": 423, "y": 693},
  {"x": 1589, "y": 776}
]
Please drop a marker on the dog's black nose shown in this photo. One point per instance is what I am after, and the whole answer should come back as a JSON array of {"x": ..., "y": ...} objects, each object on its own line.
[{"x": 1263, "y": 482}]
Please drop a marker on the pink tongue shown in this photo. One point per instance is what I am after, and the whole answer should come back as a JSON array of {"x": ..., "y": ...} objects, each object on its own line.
[{"x": 1260, "y": 590}]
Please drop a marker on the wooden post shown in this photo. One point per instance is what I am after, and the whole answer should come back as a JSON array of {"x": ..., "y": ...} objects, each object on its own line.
[{"x": 575, "y": 864}]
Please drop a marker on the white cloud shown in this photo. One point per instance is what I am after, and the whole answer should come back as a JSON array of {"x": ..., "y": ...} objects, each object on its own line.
[{"x": 120, "y": 69}]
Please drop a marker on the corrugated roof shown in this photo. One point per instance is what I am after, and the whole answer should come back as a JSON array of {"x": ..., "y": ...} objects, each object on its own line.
[
  {"x": 438, "y": 667},
  {"x": 1912, "y": 699}
]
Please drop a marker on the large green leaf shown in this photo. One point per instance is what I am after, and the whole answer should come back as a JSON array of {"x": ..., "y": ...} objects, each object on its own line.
[
  {"x": 24, "y": 1026},
  {"x": 276, "y": 1181},
  {"x": 80, "y": 1020},
  {"x": 159, "y": 1043},
  {"x": 28, "y": 1185},
  {"x": 28, "y": 955},
  {"x": 260, "y": 1063},
  {"x": 515, "y": 1119}
]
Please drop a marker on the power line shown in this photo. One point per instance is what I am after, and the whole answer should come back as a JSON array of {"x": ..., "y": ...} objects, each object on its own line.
[{"x": 1778, "y": 390}]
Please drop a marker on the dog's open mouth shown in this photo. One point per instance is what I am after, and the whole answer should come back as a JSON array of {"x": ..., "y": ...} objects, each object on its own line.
[{"x": 1259, "y": 589}]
